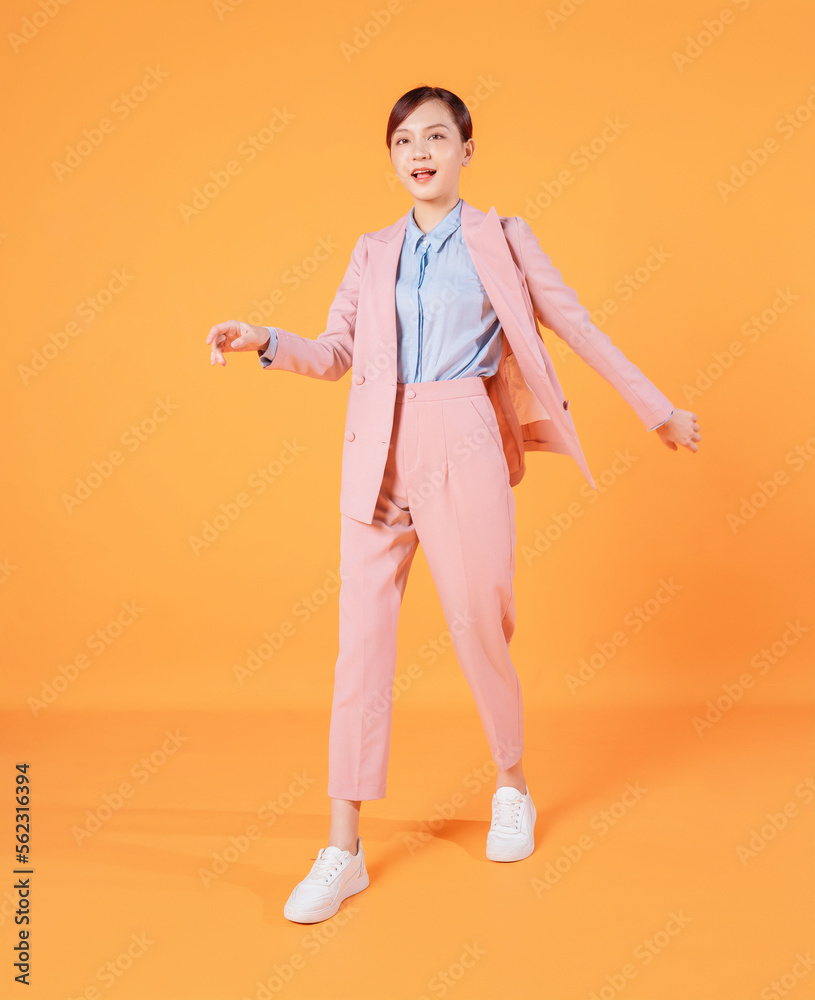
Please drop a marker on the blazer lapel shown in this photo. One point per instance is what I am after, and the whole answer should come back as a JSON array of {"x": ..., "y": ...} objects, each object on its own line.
[
  {"x": 502, "y": 279},
  {"x": 384, "y": 251},
  {"x": 484, "y": 236},
  {"x": 525, "y": 367}
]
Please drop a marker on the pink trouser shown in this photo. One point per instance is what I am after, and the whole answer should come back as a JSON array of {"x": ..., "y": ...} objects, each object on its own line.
[{"x": 446, "y": 485}]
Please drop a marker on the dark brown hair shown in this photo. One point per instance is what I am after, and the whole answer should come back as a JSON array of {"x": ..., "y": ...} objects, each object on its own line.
[{"x": 408, "y": 103}]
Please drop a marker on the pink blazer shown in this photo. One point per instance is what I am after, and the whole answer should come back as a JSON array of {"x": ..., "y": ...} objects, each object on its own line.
[{"x": 524, "y": 287}]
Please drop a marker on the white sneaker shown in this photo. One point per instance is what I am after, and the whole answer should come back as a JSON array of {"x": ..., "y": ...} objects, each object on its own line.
[
  {"x": 334, "y": 876},
  {"x": 512, "y": 832}
]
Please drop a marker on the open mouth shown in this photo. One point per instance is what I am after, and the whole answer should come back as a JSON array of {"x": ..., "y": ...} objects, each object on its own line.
[{"x": 422, "y": 173}]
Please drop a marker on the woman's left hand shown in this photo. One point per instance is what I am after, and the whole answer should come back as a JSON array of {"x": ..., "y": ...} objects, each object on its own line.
[{"x": 682, "y": 428}]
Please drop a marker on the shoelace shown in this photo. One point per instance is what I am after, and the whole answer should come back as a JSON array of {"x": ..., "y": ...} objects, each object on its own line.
[
  {"x": 321, "y": 869},
  {"x": 507, "y": 814}
]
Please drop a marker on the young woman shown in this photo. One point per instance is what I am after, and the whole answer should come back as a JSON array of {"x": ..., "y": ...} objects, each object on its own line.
[{"x": 452, "y": 385}]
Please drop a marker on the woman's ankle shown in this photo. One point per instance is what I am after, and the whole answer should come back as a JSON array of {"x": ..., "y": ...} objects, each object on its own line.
[
  {"x": 343, "y": 828},
  {"x": 344, "y": 843},
  {"x": 514, "y": 777}
]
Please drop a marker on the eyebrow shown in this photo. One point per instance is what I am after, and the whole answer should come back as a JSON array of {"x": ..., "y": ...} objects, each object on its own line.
[{"x": 437, "y": 125}]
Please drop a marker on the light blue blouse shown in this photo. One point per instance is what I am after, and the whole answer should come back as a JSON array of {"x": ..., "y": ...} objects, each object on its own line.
[{"x": 445, "y": 324}]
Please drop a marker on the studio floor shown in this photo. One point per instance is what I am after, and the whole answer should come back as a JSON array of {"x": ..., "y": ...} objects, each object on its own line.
[{"x": 668, "y": 865}]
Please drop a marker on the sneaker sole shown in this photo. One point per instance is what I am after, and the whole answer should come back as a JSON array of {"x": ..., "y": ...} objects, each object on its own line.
[
  {"x": 496, "y": 855},
  {"x": 313, "y": 916}
]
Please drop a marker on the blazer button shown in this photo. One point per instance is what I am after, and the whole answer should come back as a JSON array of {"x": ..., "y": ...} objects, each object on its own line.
[
  {"x": 565, "y": 404},
  {"x": 349, "y": 435},
  {"x": 359, "y": 379}
]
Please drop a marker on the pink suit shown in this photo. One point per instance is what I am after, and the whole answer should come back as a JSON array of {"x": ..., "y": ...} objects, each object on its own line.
[{"x": 405, "y": 477}]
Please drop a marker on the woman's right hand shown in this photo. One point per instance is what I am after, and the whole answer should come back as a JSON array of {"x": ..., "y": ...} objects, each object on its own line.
[{"x": 235, "y": 336}]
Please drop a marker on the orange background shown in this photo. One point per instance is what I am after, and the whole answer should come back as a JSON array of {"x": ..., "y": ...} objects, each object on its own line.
[{"x": 539, "y": 87}]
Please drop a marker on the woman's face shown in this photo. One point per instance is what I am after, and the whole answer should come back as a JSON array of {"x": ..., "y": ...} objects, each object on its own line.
[{"x": 428, "y": 139}]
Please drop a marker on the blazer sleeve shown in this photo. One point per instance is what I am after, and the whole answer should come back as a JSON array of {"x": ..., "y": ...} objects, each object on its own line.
[
  {"x": 329, "y": 356},
  {"x": 557, "y": 307}
]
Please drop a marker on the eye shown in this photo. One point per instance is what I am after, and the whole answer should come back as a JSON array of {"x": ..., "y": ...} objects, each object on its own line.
[{"x": 404, "y": 138}]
